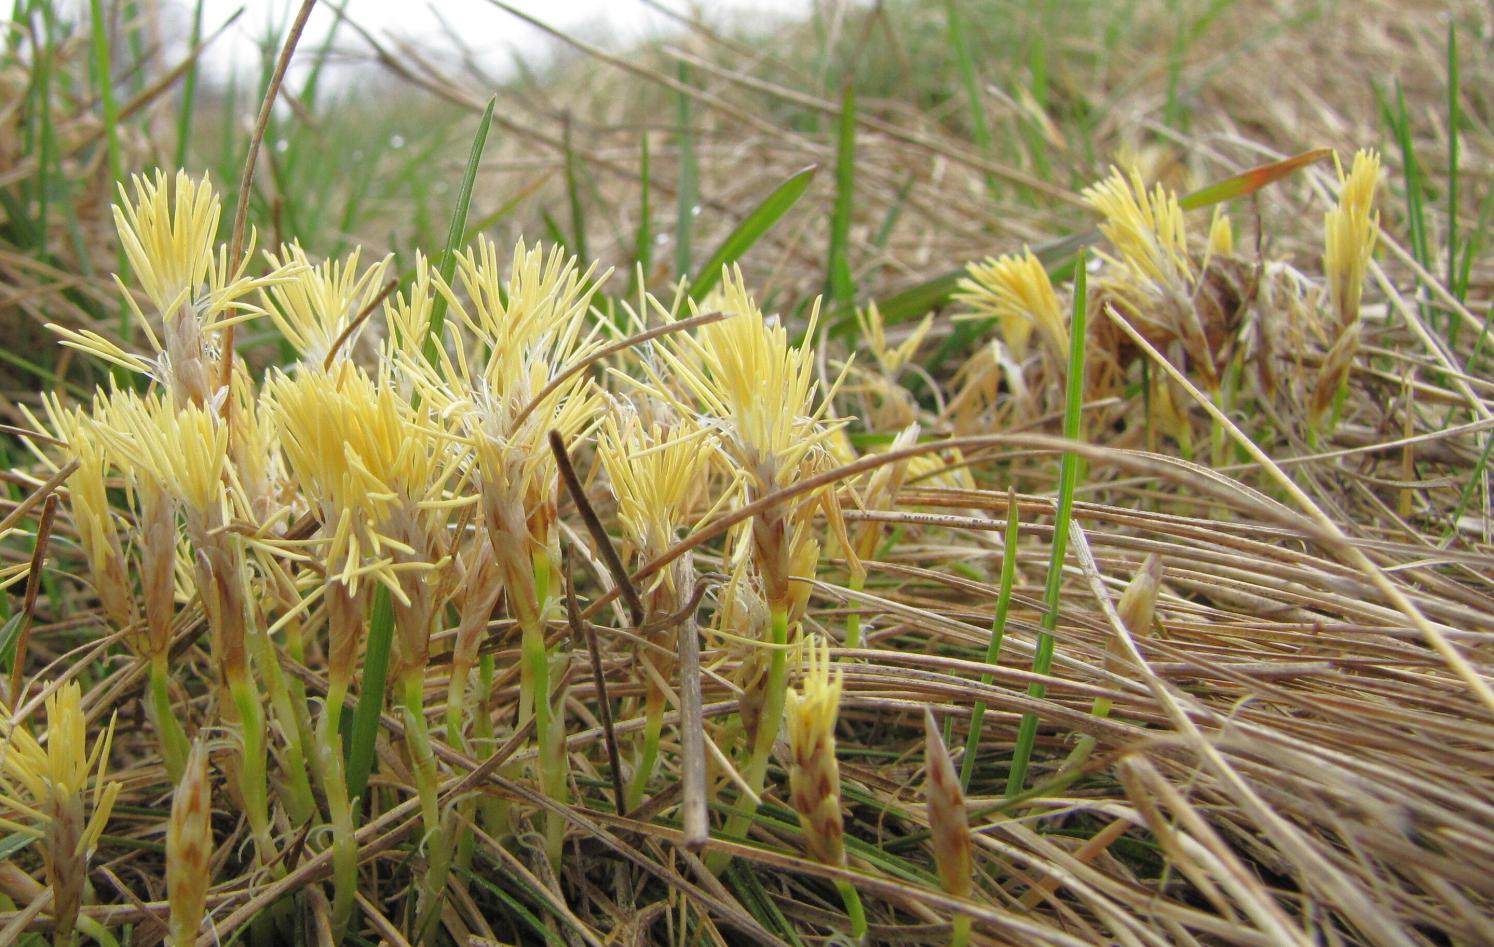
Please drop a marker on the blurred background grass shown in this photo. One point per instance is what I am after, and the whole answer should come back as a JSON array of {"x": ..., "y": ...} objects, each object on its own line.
[{"x": 973, "y": 125}]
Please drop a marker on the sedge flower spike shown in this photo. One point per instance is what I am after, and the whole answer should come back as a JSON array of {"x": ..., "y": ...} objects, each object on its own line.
[
  {"x": 814, "y": 778},
  {"x": 1146, "y": 228},
  {"x": 166, "y": 233},
  {"x": 749, "y": 383},
  {"x": 891, "y": 359},
  {"x": 1154, "y": 282},
  {"x": 314, "y": 309},
  {"x": 189, "y": 848},
  {"x": 1350, "y": 231},
  {"x": 1017, "y": 292},
  {"x": 88, "y": 502},
  {"x": 655, "y": 476},
  {"x": 45, "y": 792}
]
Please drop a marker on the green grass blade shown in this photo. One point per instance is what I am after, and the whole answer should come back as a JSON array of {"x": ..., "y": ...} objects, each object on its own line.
[
  {"x": 884, "y": 231},
  {"x": 504, "y": 210},
  {"x": 752, "y": 896},
  {"x": 365, "y": 726},
  {"x": 573, "y": 196},
  {"x": 45, "y": 138},
  {"x": 15, "y": 843},
  {"x": 839, "y": 285},
  {"x": 447, "y": 266},
  {"x": 189, "y": 90},
  {"x": 10, "y": 634},
  {"x": 105, "y": 77},
  {"x": 959, "y": 42},
  {"x": 1248, "y": 182},
  {"x": 750, "y": 230},
  {"x": 553, "y": 231},
  {"x": 1399, "y": 120},
  {"x": 1472, "y": 247},
  {"x": 500, "y": 877},
  {"x": 688, "y": 195},
  {"x": 1454, "y": 319},
  {"x": 643, "y": 244},
  {"x": 998, "y": 631},
  {"x": 1475, "y": 478},
  {"x": 1042, "y": 659}
]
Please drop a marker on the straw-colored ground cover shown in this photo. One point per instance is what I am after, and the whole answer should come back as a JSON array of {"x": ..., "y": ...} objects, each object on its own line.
[{"x": 1060, "y": 517}]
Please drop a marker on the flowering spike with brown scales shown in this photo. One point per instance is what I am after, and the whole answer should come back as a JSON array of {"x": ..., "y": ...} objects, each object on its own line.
[
  {"x": 189, "y": 848},
  {"x": 949, "y": 826},
  {"x": 814, "y": 773}
]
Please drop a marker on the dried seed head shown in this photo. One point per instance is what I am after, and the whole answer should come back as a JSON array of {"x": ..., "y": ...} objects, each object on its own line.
[
  {"x": 1334, "y": 370},
  {"x": 1016, "y": 291},
  {"x": 880, "y": 493},
  {"x": 1138, "y": 603},
  {"x": 189, "y": 848},
  {"x": 814, "y": 778},
  {"x": 1350, "y": 231},
  {"x": 949, "y": 828}
]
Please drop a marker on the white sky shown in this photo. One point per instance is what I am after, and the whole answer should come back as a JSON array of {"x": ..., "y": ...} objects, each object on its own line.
[{"x": 490, "y": 31}]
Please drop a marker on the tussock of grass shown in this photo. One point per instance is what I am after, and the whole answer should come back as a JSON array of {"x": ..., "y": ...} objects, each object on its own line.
[{"x": 1294, "y": 747}]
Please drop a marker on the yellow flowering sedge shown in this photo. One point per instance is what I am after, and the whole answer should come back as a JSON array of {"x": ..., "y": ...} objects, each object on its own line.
[
  {"x": 1017, "y": 292},
  {"x": 88, "y": 502},
  {"x": 167, "y": 233},
  {"x": 1350, "y": 231},
  {"x": 45, "y": 792},
  {"x": 657, "y": 476},
  {"x": 314, "y": 308},
  {"x": 1147, "y": 230},
  {"x": 502, "y": 378},
  {"x": 742, "y": 372}
]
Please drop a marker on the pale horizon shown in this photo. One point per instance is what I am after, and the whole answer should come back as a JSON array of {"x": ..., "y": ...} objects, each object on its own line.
[{"x": 491, "y": 33}]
